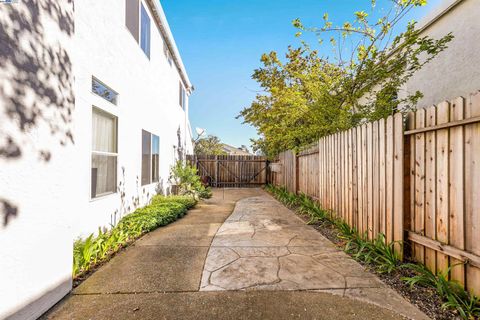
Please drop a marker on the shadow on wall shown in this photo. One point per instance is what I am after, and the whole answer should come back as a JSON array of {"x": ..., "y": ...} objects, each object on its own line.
[
  {"x": 36, "y": 81},
  {"x": 127, "y": 205}
]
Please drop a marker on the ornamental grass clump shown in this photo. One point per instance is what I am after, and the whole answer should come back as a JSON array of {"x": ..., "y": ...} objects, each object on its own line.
[
  {"x": 89, "y": 252},
  {"x": 467, "y": 305}
]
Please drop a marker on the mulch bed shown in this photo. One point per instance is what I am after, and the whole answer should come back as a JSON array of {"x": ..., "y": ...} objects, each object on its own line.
[{"x": 425, "y": 299}]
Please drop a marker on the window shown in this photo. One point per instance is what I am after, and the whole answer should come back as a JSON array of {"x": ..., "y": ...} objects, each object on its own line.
[
  {"x": 150, "y": 158},
  {"x": 146, "y": 155},
  {"x": 131, "y": 17},
  {"x": 182, "y": 96},
  {"x": 104, "y": 154},
  {"x": 155, "y": 158},
  {"x": 104, "y": 91},
  {"x": 145, "y": 32},
  {"x": 139, "y": 26}
]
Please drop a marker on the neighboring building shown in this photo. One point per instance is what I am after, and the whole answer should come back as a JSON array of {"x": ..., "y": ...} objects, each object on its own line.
[
  {"x": 456, "y": 71},
  {"x": 93, "y": 112},
  {"x": 234, "y": 151}
]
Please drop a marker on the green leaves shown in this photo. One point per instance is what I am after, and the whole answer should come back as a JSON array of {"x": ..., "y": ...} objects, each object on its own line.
[
  {"x": 210, "y": 145},
  {"x": 89, "y": 252},
  {"x": 467, "y": 305},
  {"x": 185, "y": 177},
  {"x": 306, "y": 96}
]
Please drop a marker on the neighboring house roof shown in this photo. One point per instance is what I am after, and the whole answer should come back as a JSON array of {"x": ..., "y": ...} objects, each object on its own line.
[
  {"x": 162, "y": 24},
  {"x": 231, "y": 150}
]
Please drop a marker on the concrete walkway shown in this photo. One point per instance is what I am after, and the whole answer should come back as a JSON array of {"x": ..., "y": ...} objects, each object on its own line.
[{"x": 259, "y": 262}]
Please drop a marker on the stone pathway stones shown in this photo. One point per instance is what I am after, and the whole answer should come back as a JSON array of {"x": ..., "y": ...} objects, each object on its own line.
[{"x": 265, "y": 246}]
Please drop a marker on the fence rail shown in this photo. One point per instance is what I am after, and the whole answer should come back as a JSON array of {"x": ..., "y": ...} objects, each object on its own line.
[{"x": 413, "y": 178}]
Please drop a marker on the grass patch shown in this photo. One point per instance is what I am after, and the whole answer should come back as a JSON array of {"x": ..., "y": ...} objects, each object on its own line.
[
  {"x": 382, "y": 257},
  {"x": 95, "y": 249}
]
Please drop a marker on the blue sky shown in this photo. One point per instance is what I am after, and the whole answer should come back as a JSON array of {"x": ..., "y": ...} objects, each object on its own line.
[{"x": 221, "y": 42}]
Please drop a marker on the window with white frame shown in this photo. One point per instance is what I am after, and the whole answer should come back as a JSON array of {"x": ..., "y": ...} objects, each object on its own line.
[
  {"x": 104, "y": 91},
  {"x": 150, "y": 158},
  {"x": 145, "y": 32},
  {"x": 155, "y": 158},
  {"x": 104, "y": 153},
  {"x": 137, "y": 21},
  {"x": 182, "y": 96}
]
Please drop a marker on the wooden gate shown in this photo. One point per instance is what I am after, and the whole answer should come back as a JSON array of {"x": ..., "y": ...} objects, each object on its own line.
[{"x": 232, "y": 171}]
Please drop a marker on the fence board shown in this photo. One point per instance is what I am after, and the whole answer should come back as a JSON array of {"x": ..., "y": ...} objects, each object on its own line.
[
  {"x": 389, "y": 181},
  {"x": 420, "y": 183},
  {"x": 364, "y": 212},
  {"x": 382, "y": 174},
  {"x": 472, "y": 187},
  {"x": 443, "y": 115},
  {"x": 456, "y": 194},
  {"x": 430, "y": 195},
  {"x": 398, "y": 182}
]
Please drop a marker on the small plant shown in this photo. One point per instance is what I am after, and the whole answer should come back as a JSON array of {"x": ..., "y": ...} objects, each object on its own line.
[
  {"x": 309, "y": 207},
  {"x": 467, "y": 305},
  {"x": 376, "y": 253},
  {"x": 185, "y": 177}
]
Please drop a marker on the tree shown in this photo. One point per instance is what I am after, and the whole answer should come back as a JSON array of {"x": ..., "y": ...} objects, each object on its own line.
[
  {"x": 309, "y": 96},
  {"x": 211, "y": 145}
]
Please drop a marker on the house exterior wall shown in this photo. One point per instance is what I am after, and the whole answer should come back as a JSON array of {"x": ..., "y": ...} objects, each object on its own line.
[
  {"x": 46, "y": 105},
  {"x": 148, "y": 99},
  {"x": 38, "y": 187},
  {"x": 456, "y": 71}
]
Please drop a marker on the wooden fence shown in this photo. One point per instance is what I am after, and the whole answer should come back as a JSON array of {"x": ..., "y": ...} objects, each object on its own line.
[
  {"x": 232, "y": 171},
  {"x": 444, "y": 224},
  {"x": 420, "y": 184}
]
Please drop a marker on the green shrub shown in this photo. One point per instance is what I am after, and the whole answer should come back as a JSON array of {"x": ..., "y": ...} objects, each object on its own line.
[
  {"x": 185, "y": 177},
  {"x": 206, "y": 193},
  {"x": 94, "y": 249},
  {"x": 188, "y": 201}
]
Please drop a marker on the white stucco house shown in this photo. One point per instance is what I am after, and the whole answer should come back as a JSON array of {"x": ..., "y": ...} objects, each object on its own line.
[{"x": 93, "y": 113}]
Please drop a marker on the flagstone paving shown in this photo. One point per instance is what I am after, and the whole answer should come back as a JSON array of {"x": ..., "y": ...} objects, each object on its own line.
[
  {"x": 258, "y": 262},
  {"x": 265, "y": 246}
]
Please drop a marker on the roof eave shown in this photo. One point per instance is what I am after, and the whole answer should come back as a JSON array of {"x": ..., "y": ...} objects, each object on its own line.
[{"x": 162, "y": 23}]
